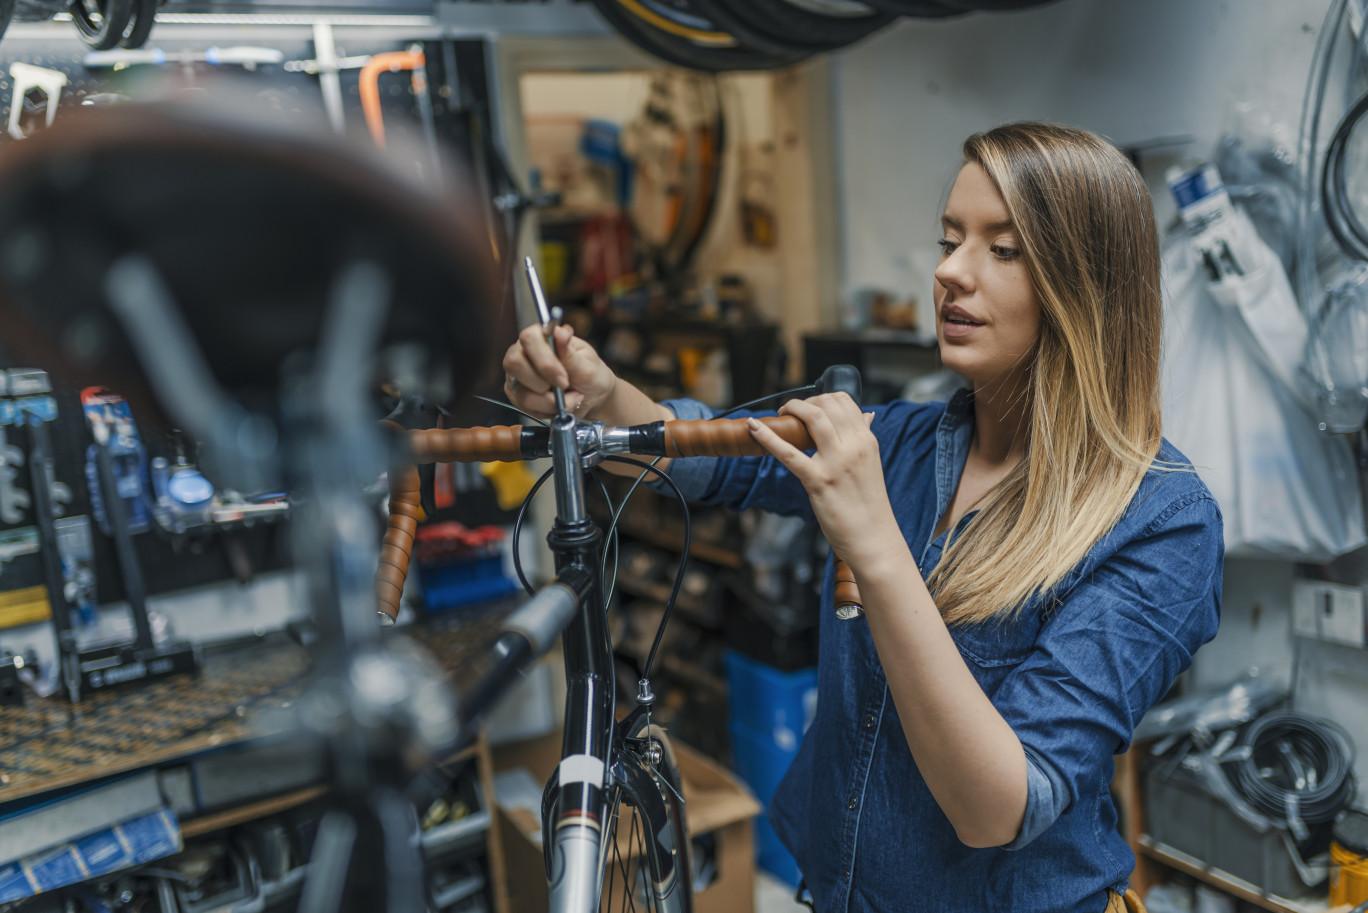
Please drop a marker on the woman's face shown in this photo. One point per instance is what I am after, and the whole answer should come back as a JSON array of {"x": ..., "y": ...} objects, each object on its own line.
[{"x": 987, "y": 315}]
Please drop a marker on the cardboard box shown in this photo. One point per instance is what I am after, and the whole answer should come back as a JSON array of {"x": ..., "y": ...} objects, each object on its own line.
[{"x": 717, "y": 806}]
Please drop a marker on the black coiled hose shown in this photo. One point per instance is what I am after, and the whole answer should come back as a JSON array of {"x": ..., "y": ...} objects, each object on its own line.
[
  {"x": 1298, "y": 769},
  {"x": 1338, "y": 209}
]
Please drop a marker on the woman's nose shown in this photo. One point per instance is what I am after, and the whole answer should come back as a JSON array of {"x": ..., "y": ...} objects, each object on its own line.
[{"x": 953, "y": 271}]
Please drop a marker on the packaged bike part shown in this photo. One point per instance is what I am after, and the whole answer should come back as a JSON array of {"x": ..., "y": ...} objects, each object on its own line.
[
  {"x": 1337, "y": 353},
  {"x": 78, "y": 567},
  {"x": 1231, "y": 356},
  {"x": 111, "y": 424}
]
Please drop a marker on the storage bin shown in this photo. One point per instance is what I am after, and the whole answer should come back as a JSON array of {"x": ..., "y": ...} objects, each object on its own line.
[
  {"x": 764, "y": 700},
  {"x": 452, "y": 584},
  {"x": 1183, "y": 815},
  {"x": 760, "y": 764}
]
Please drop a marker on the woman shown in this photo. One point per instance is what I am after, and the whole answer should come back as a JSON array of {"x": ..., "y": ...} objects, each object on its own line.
[{"x": 1036, "y": 564}]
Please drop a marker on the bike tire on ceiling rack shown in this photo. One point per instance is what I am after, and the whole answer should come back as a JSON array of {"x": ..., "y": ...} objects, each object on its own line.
[
  {"x": 782, "y": 27},
  {"x": 140, "y": 29},
  {"x": 918, "y": 9},
  {"x": 626, "y": 17},
  {"x": 994, "y": 6},
  {"x": 6, "y": 14}
]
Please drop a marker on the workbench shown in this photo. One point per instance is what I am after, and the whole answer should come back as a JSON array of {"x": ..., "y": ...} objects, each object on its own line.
[{"x": 230, "y": 724}]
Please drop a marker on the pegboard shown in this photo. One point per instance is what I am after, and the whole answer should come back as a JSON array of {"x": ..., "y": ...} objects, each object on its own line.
[{"x": 458, "y": 89}]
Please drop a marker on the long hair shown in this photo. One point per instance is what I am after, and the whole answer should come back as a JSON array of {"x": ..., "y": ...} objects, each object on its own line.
[{"x": 1088, "y": 237}]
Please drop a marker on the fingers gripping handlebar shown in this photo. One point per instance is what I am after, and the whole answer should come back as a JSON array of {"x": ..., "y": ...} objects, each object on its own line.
[
  {"x": 507, "y": 443},
  {"x": 730, "y": 437}
]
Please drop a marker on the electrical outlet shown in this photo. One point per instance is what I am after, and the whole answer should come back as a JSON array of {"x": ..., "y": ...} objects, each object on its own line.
[
  {"x": 1328, "y": 611},
  {"x": 1305, "y": 618}
]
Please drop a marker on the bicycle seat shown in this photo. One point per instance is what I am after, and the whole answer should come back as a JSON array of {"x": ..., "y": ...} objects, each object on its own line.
[{"x": 248, "y": 223}]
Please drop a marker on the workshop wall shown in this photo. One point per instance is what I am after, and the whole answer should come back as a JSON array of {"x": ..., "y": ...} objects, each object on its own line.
[{"x": 904, "y": 101}]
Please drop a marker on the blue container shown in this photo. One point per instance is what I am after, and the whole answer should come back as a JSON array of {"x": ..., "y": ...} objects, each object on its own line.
[
  {"x": 450, "y": 585},
  {"x": 772, "y": 856},
  {"x": 765, "y": 700},
  {"x": 761, "y": 765}
]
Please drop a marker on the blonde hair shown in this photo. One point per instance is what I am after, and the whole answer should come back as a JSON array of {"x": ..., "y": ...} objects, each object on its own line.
[{"x": 1086, "y": 227}]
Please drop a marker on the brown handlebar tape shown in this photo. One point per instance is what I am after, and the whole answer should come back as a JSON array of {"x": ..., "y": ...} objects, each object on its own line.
[
  {"x": 847, "y": 593},
  {"x": 494, "y": 444},
  {"x": 398, "y": 543},
  {"x": 434, "y": 445},
  {"x": 729, "y": 436}
]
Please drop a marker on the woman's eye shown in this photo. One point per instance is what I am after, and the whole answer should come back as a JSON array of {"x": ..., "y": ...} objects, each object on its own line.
[
  {"x": 947, "y": 247},
  {"x": 1005, "y": 253}
]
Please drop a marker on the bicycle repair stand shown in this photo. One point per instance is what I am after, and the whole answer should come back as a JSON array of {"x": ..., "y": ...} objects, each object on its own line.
[{"x": 110, "y": 665}]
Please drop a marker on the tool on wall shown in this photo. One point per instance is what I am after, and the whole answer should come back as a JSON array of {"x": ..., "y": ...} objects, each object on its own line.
[
  {"x": 116, "y": 465},
  {"x": 28, "y": 78},
  {"x": 245, "y": 56},
  {"x": 326, "y": 65},
  {"x": 414, "y": 61}
]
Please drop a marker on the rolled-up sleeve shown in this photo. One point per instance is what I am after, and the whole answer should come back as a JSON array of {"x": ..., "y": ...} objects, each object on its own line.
[
  {"x": 693, "y": 475},
  {"x": 1109, "y": 652},
  {"x": 738, "y": 483}
]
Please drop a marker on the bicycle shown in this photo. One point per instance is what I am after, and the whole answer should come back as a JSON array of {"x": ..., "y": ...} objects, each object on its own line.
[{"x": 605, "y": 765}]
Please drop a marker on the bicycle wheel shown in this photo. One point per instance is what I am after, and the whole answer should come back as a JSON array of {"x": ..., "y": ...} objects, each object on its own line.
[
  {"x": 101, "y": 23},
  {"x": 646, "y": 846},
  {"x": 669, "y": 39},
  {"x": 6, "y": 14},
  {"x": 140, "y": 28},
  {"x": 779, "y": 27}
]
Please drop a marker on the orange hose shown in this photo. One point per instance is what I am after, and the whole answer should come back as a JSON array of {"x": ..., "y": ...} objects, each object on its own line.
[{"x": 389, "y": 62}]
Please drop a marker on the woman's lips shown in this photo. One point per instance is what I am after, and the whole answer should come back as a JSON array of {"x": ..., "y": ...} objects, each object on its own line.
[{"x": 956, "y": 324}]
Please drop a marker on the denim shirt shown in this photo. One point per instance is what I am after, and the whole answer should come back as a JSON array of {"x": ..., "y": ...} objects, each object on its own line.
[{"x": 1072, "y": 673}]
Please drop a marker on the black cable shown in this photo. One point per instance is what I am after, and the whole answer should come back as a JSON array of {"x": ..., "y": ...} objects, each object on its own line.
[
  {"x": 683, "y": 559},
  {"x": 764, "y": 399},
  {"x": 517, "y": 531},
  {"x": 1294, "y": 765},
  {"x": 1343, "y": 223},
  {"x": 610, "y": 539}
]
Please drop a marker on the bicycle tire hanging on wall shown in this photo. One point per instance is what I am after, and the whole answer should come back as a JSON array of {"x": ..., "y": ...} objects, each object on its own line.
[
  {"x": 722, "y": 35},
  {"x": 677, "y": 35},
  {"x": 785, "y": 28}
]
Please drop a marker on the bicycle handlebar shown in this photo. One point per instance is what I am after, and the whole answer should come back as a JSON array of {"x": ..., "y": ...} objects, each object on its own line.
[{"x": 717, "y": 437}]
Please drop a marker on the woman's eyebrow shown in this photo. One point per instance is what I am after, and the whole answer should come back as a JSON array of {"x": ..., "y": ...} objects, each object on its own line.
[{"x": 991, "y": 228}]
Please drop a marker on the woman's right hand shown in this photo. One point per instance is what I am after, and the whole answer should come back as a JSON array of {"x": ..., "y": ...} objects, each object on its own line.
[{"x": 531, "y": 370}]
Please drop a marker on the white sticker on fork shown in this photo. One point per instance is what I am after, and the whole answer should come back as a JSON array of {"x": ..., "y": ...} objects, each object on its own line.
[{"x": 581, "y": 768}]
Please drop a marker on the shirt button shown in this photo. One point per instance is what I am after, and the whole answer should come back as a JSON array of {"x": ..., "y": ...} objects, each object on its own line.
[
  {"x": 845, "y": 876},
  {"x": 852, "y": 803},
  {"x": 870, "y": 721}
]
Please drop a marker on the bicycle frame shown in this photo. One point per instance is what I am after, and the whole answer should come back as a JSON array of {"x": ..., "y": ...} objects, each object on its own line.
[{"x": 599, "y": 757}]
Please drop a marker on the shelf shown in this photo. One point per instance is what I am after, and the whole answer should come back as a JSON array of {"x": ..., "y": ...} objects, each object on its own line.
[
  {"x": 660, "y": 592},
  {"x": 195, "y": 827},
  {"x": 668, "y": 539},
  {"x": 454, "y": 833},
  {"x": 1237, "y": 887}
]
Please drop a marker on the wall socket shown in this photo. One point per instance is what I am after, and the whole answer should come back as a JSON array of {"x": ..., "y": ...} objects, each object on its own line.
[{"x": 1328, "y": 611}]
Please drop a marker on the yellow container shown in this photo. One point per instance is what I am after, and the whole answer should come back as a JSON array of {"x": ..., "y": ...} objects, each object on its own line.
[{"x": 1349, "y": 860}]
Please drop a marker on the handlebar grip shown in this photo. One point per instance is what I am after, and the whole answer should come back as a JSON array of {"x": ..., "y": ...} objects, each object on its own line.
[
  {"x": 729, "y": 437},
  {"x": 497, "y": 443},
  {"x": 398, "y": 543},
  {"x": 847, "y": 594}
]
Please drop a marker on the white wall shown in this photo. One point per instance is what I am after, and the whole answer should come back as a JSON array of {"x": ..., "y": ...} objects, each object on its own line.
[
  {"x": 907, "y": 98},
  {"x": 904, "y": 101}
]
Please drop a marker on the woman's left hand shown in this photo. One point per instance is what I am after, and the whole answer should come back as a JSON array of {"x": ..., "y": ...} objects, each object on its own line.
[{"x": 844, "y": 478}]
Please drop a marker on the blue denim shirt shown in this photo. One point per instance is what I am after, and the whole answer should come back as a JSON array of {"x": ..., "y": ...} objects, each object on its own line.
[{"x": 1072, "y": 674}]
